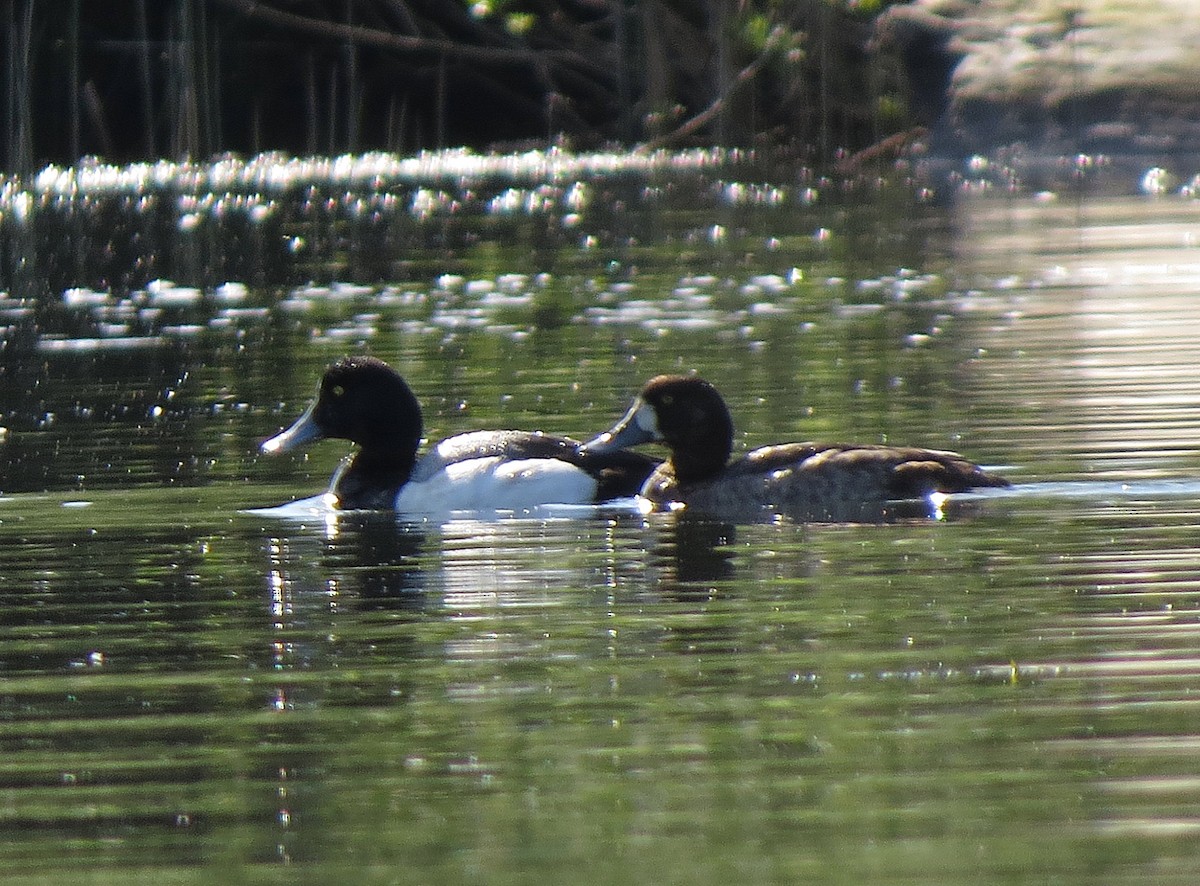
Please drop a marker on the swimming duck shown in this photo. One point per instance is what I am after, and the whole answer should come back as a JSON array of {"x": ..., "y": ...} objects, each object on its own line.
[
  {"x": 817, "y": 481},
  {"x": 364, "y": 400}
]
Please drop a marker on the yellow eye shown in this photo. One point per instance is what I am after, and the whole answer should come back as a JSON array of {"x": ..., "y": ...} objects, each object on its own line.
[{"x": 338, "y": 390}]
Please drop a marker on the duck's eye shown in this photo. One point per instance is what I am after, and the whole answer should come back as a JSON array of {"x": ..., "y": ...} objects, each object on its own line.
[
  {"x": 337, "y": 390},
  {"x": 667, "y": 400}
]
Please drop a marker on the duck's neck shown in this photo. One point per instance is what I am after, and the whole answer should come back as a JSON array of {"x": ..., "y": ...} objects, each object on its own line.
[
  {"x": 387, "y": 453},
  {"x": 704, "y": 453},
  {"x": 372, "y": 479}
]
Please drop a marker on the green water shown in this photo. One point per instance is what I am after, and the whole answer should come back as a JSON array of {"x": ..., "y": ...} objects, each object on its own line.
[{"x": 190, "y": 692}]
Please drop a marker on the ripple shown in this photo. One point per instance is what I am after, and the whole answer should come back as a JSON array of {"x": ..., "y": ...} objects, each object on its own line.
[{"x": 85, "y": 345}]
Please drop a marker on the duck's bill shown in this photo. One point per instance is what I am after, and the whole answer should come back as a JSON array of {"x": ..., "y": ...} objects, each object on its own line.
[
  {"x": 303, "y": 430},
  {"x": 638, "y": 426}
]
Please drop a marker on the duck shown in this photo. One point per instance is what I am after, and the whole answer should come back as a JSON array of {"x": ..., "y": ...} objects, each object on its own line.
[
  {"x": 364, "y": 400},
  {"x": 811, "y": 481}
]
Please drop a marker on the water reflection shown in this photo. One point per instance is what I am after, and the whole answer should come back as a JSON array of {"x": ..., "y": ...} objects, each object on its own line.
[
  {"x": 689, "y": 554},
  {"x": 1094, "y": 363},
  {"x": 339, "y": 593},
  {"x": 358, "y": 561}
]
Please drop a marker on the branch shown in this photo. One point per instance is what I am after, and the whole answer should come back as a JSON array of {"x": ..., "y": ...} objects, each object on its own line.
[
  {"x": 403, "y": 43},
  {"x": 744, "y": 76}
]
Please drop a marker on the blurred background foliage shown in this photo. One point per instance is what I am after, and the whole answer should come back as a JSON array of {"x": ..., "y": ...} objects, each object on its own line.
[{"x": 139, "y": 79}]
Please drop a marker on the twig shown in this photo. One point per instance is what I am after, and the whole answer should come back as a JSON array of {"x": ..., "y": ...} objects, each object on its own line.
[
  {"x": 408, "y": 44},
  {"x": 694, "y": 124}
]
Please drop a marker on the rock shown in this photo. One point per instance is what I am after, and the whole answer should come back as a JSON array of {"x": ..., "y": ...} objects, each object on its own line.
[{"x": 1092, "y": 76}]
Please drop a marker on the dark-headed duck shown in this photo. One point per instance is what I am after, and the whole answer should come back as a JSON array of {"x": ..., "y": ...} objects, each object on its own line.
[
  {"x": 815, "y": 481},
  {"x": 364, "y": 400}
]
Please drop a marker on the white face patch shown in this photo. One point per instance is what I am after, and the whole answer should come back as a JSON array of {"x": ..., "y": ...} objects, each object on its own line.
[{"x": 645, "y": 418}]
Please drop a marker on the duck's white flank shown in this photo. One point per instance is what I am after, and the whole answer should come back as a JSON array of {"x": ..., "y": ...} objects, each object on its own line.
[{"x": 494, "y": 484}]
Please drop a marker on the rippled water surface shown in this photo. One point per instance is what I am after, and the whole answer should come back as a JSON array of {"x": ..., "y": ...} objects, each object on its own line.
[{"x": 195, "y": 689}]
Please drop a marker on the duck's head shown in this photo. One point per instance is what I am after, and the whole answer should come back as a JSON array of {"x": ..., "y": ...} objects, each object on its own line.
[
  {"x": 684, "y": 412},
  {"x": 361, "y": 399}
]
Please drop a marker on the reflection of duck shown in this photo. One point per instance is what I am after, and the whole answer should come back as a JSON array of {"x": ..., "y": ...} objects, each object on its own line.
[
  {"x": 830, "y": 481},
  {"x": 379, "y": 561},
  {"x": 366, "y": 401},
  {"x": 693, "y": 552}
]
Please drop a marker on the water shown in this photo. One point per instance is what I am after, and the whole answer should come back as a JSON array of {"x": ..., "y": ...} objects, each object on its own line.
[{"x": 193, "y": 688}]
